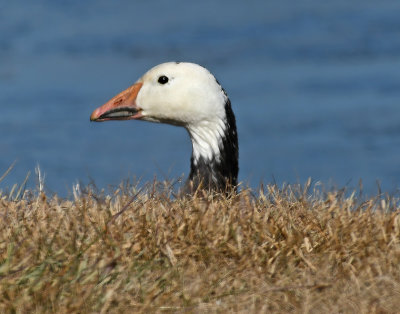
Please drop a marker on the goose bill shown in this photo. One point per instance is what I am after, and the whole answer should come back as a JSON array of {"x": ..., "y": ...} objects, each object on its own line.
[{"x": 120, "y": 107}]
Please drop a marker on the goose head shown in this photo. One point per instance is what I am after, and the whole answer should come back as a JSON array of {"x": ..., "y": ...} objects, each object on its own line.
[{"x": 187, "y": 95}]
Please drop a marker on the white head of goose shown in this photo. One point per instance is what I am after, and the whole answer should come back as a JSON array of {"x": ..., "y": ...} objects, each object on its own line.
[{"x": 188, "y": 95}]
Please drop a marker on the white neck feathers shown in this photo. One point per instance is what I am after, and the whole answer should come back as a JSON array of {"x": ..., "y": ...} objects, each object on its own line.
[{"x": 206, "y": 139}]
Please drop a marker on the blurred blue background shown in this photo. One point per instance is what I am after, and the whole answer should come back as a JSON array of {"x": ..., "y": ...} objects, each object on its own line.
[{"x": 315, "y": 86}]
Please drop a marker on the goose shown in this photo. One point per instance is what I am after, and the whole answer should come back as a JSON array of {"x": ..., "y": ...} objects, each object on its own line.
[{"x": 187, "y": 95}]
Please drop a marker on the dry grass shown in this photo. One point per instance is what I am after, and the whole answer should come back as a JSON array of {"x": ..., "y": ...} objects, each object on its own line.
[{"x": 285, "y": 250}]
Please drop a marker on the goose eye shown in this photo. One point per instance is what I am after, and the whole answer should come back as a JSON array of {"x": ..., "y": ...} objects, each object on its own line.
[{"x": 163, "y": 79}]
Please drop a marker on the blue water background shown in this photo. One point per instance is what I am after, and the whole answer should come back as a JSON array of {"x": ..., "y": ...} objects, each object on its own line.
[{"x": 315, "y": 86}]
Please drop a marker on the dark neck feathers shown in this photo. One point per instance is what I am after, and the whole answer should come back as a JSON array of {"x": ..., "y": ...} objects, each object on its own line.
[{"x": 221, "y": 171}]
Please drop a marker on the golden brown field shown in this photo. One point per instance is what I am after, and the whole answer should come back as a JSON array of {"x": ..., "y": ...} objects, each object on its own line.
[{"x": 282, "y": 250}]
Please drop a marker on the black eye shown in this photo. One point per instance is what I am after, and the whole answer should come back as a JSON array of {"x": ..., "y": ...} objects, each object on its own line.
[{"x": 163, "y": 79}]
